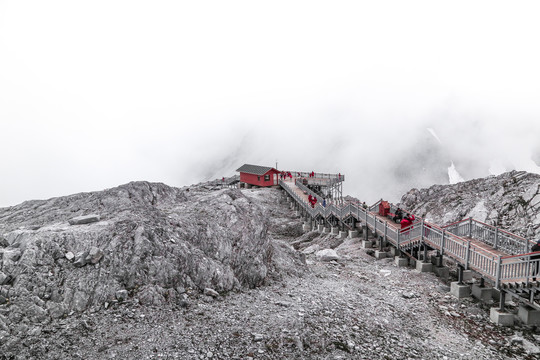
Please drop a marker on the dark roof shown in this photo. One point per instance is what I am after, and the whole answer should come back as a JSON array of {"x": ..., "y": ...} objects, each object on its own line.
[{"x": 255, "y": 169}]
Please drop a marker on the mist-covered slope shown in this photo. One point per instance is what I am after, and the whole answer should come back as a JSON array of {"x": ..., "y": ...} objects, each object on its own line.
[{"x": 510, "y": 201}]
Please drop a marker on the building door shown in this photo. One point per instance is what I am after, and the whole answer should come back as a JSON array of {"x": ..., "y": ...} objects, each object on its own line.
[{"x": 275, "y": 179}]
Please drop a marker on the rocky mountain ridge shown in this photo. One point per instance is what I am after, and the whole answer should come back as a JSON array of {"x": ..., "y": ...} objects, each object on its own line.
[
  {"x": 510, "y": 201},
  {"x": 143, "y": 242},
  {"x": 148, "y": 271}
]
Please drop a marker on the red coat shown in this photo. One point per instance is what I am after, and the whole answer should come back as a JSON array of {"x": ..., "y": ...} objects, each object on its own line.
[{"x": 405, "y": 223}]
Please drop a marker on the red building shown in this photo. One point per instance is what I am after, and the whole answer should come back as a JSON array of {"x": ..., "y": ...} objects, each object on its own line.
[{"x": 258, "y": 175}]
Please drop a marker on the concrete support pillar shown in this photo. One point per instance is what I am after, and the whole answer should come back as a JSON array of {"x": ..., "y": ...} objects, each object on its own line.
[
  {"x": 459, "y": 291},
  {"x": 320, "y": 228},
  {"x": 342, "y": 234},
  {"x": 401, "y": 262},
  {"x": 500, "y": 317},
  {"x": 334, "y": 230},
  {"x": 394, "y": 251},
  {"x": 483, "y": 294},
  {"x": 529, "y": 315},
  {"x": 423, "y": 266},
  {"x": 307, "y": 227},
  {"x": 467, "y": 275},
  {"x": 353, "y": 234},
  {"x": 437, "y": 260},
  {"x": 366, "y": 244},
  {"x": 325, "y": 230},
  {"x": 380, "y": 254}
]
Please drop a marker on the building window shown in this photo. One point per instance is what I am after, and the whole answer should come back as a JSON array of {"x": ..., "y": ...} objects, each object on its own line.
[
  {"x": 266, "y": 177},
  {"x": 258, "y": 178}
]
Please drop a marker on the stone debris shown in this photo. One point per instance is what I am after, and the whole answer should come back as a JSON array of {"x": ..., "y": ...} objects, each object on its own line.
[
  {"x": 210, "y": 292},
  {"x": 121, "y": 295},
  {"x": 258, "y": 337},
  {"x": 70, "y": 256},
  {"x": 12, "y": 255},
  {"x": 327, "y": 255},
  {"x": 3, "y": 278},
  {"x": 408, "y": 295},
  {"x": 386, "y": 272},
  {"x": 94, "y": 255},
  {"x": 85, "y": 219},
  {"x": 80, "y": 259}
]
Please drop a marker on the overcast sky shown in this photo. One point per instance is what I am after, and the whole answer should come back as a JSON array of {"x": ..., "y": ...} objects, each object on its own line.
[{"x": 94, "y": 94}]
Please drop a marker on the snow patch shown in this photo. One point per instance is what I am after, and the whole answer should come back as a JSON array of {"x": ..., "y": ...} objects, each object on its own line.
[{"x": 453, "y": 175}]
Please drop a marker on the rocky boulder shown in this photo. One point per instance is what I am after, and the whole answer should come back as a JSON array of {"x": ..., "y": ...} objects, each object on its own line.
[
  {"x": 86, "y": 219},
  {"x": 327, "y": 255}
]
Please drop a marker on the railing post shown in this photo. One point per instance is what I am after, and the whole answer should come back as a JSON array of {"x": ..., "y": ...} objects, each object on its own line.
[
  {"x": 470, "y": 227},
  {"x": 398, "y": 238},
  {"x": 467, "y": 255},
  {"x": 498, "y": 276},
  {"x": 528, "y": 269},
  {"x": 496, "y": 238},
  {"x": 385, "y": 232},
  {"x": 365, "y": 213},
  {"x": 442, "y": 242},
  {"x": 502, "y": 300},
  {"x": 423, "y": 229},
  {"x": 527, "y": 249}
]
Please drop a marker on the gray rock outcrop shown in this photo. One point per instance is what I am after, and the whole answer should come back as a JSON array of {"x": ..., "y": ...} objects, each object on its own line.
[
  {"x": 510, "y": 201},
  {"x": 148, "y": 241}
]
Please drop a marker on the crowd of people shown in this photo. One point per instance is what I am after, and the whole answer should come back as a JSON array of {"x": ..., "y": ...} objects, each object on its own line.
[{"x": 285, "y": 174}]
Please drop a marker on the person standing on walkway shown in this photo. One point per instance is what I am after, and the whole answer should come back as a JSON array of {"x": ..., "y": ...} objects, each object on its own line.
[
  {"x": 536, "y": 259},
  {"x": 406, "y": 223},
  {"x": 398, "y": 216}
]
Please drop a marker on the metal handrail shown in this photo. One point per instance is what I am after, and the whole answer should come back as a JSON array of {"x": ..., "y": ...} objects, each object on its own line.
[
  {"x": 304, "y": 174},
  {"x": 491, "y": 235}
]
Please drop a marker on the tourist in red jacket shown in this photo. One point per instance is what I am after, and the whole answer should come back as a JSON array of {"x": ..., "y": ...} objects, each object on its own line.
[{"x": 406, "y": 222}]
